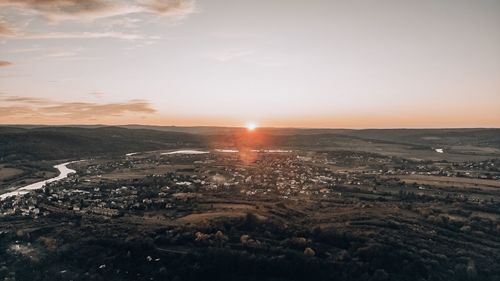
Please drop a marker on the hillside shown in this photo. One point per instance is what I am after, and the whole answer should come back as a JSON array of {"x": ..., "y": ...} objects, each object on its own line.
[
  {"x": 443, "y": 137},
  {"x": 69, "y": 142}
]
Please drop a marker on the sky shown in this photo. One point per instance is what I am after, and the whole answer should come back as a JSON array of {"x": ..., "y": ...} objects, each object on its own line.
[{"x": 276, "y": 63}]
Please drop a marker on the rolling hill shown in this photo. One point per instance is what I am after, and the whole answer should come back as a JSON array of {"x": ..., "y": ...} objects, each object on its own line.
[{"x": 72, "y": 142}]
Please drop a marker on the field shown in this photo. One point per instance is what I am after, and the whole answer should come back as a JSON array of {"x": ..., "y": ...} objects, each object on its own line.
[
  {"x": 455, "y": 182},
  {"x": 7, "y": 173}
]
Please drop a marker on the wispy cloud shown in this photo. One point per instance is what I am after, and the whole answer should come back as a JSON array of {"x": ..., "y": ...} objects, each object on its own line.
[
  {"x": 6, "y": 30},
  {"x": 121, "y": 14},
  {"x": 61, "y": 54},
  {"x": 5, "y": 63},
  {"x": 24, "y": 50},
  {"x": 124, "y": 22},
  {"x": 23, "y": 100},
  {"x": 83, "y": 35},
  {"x": 230, "y": 54},
  {"x": 57, "y": 10},
  {"x": 29, "y": 107},
  {"x": 97, "y": 94},
  {"x": 69, "y": 9},
  {"x": 15, "y": 34},
  {"x": 79, "y": 110},
  {"x": 168, "y": 7}
]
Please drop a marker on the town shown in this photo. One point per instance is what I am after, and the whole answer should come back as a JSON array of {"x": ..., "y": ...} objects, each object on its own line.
[{"x": 277, "y": 205}]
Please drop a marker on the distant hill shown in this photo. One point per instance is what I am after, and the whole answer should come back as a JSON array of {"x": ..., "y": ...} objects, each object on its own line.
[
  {"x": 34, "y": 142},
  {"x": 478, "y": 135},
  {"x": 72, "y": 142},
  {"x": 433, "y": 137},
  {"x": 466, "y": 136}
]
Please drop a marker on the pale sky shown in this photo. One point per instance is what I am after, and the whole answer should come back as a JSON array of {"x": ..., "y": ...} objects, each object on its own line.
[{"x": 350, "y": 64}]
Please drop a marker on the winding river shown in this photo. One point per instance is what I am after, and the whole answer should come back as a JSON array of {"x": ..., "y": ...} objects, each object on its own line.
[{"x": 63, "y": 173}]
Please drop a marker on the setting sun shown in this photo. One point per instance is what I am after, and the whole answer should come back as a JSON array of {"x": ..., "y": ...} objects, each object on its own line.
[{"x": 251, "y": 126}]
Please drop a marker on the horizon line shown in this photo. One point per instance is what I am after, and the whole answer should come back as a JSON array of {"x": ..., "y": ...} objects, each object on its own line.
[{"x": 243, "y": 127}]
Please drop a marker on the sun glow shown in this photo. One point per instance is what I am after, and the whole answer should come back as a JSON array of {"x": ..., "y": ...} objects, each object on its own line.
[{"x": 251, "y": 126}]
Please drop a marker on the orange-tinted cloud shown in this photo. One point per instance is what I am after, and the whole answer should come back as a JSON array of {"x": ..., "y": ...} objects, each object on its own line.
[
  {"x": 81, "y": 110},
  {"x": 78, "y": 9},
  {"x": 32, "y": 108},
  {"x": 82, "y": 35},
  {"x": 64, "y": 8},
  {"x": 4, "y": 63},
  {"x": 6, "y": 30},
  {"x": 23, "y": 100},
  {"x": 169, "y": 7}
]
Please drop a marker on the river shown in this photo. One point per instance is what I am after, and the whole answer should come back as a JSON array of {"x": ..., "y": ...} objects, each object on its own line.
[{"x": 63, "y": 173}]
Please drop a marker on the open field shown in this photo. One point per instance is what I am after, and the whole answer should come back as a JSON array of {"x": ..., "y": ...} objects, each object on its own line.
[
  {"x": 7, "y": 173},
  {"x": 452, "y": 182}
]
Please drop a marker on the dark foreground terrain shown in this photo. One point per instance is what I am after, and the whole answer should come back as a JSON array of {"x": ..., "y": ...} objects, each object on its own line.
[{"x": 265, "y": 205}]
